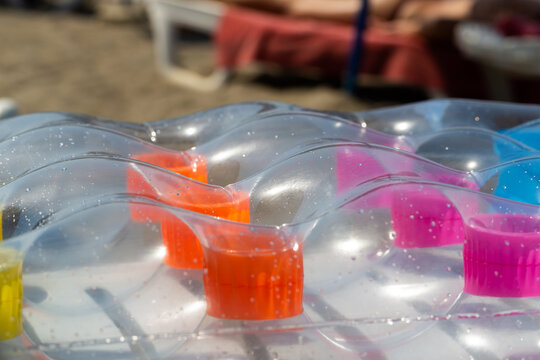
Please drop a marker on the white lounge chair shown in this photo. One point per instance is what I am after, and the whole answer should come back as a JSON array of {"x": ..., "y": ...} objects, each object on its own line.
[{"x": 200, "y": 15}]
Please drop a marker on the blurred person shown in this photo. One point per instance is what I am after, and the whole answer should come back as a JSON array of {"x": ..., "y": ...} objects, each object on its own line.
[
  {"x": 430, "y": 18},
  {"x": 335, "y": 10}
]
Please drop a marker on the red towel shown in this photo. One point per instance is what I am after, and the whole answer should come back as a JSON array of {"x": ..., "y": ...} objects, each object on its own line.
[{"x": 246, "y": 36}]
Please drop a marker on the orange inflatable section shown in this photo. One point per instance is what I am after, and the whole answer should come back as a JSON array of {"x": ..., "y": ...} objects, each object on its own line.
[
  {"x": 183, "y": 249},
  {"x": 252, "y": 276}
]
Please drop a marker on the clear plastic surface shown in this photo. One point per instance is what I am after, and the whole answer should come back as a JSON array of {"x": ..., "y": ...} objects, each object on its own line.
[
  {"x": 434, "y": 115},
  {"x": 528, "y": 133},
  {"x": 237, "y": 154},
  {"x": 178, "y": 133},
  {"x": 293, "y": 234}
]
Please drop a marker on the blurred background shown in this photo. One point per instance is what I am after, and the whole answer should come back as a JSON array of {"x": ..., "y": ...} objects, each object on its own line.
[{"x": 146, "y": 60}]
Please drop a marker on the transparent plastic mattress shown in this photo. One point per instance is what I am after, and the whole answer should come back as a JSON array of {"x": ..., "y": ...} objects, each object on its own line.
[{"x": 264, "y": 230}]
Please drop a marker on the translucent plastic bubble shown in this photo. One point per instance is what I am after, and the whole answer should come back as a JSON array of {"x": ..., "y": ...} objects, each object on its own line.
[
  {"x": 470, "y": 149},
  {"x": 528, "y": 133},
  {"x": 177, "y": 133},
  {"x": 294, "y": 189},
  {"x": 221, "y": 161},
  {"x": 433, "y": 115}
]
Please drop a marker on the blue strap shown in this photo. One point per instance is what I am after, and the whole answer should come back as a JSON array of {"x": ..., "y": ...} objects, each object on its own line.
[{"x": 357, "y": 49}]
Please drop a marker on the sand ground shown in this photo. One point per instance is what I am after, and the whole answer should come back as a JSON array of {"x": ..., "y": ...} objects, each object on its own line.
[{"x": 79, "y": 63}]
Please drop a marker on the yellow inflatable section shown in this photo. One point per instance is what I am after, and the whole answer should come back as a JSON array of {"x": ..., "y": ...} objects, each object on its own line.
[{"x": 11, "y": 293}]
